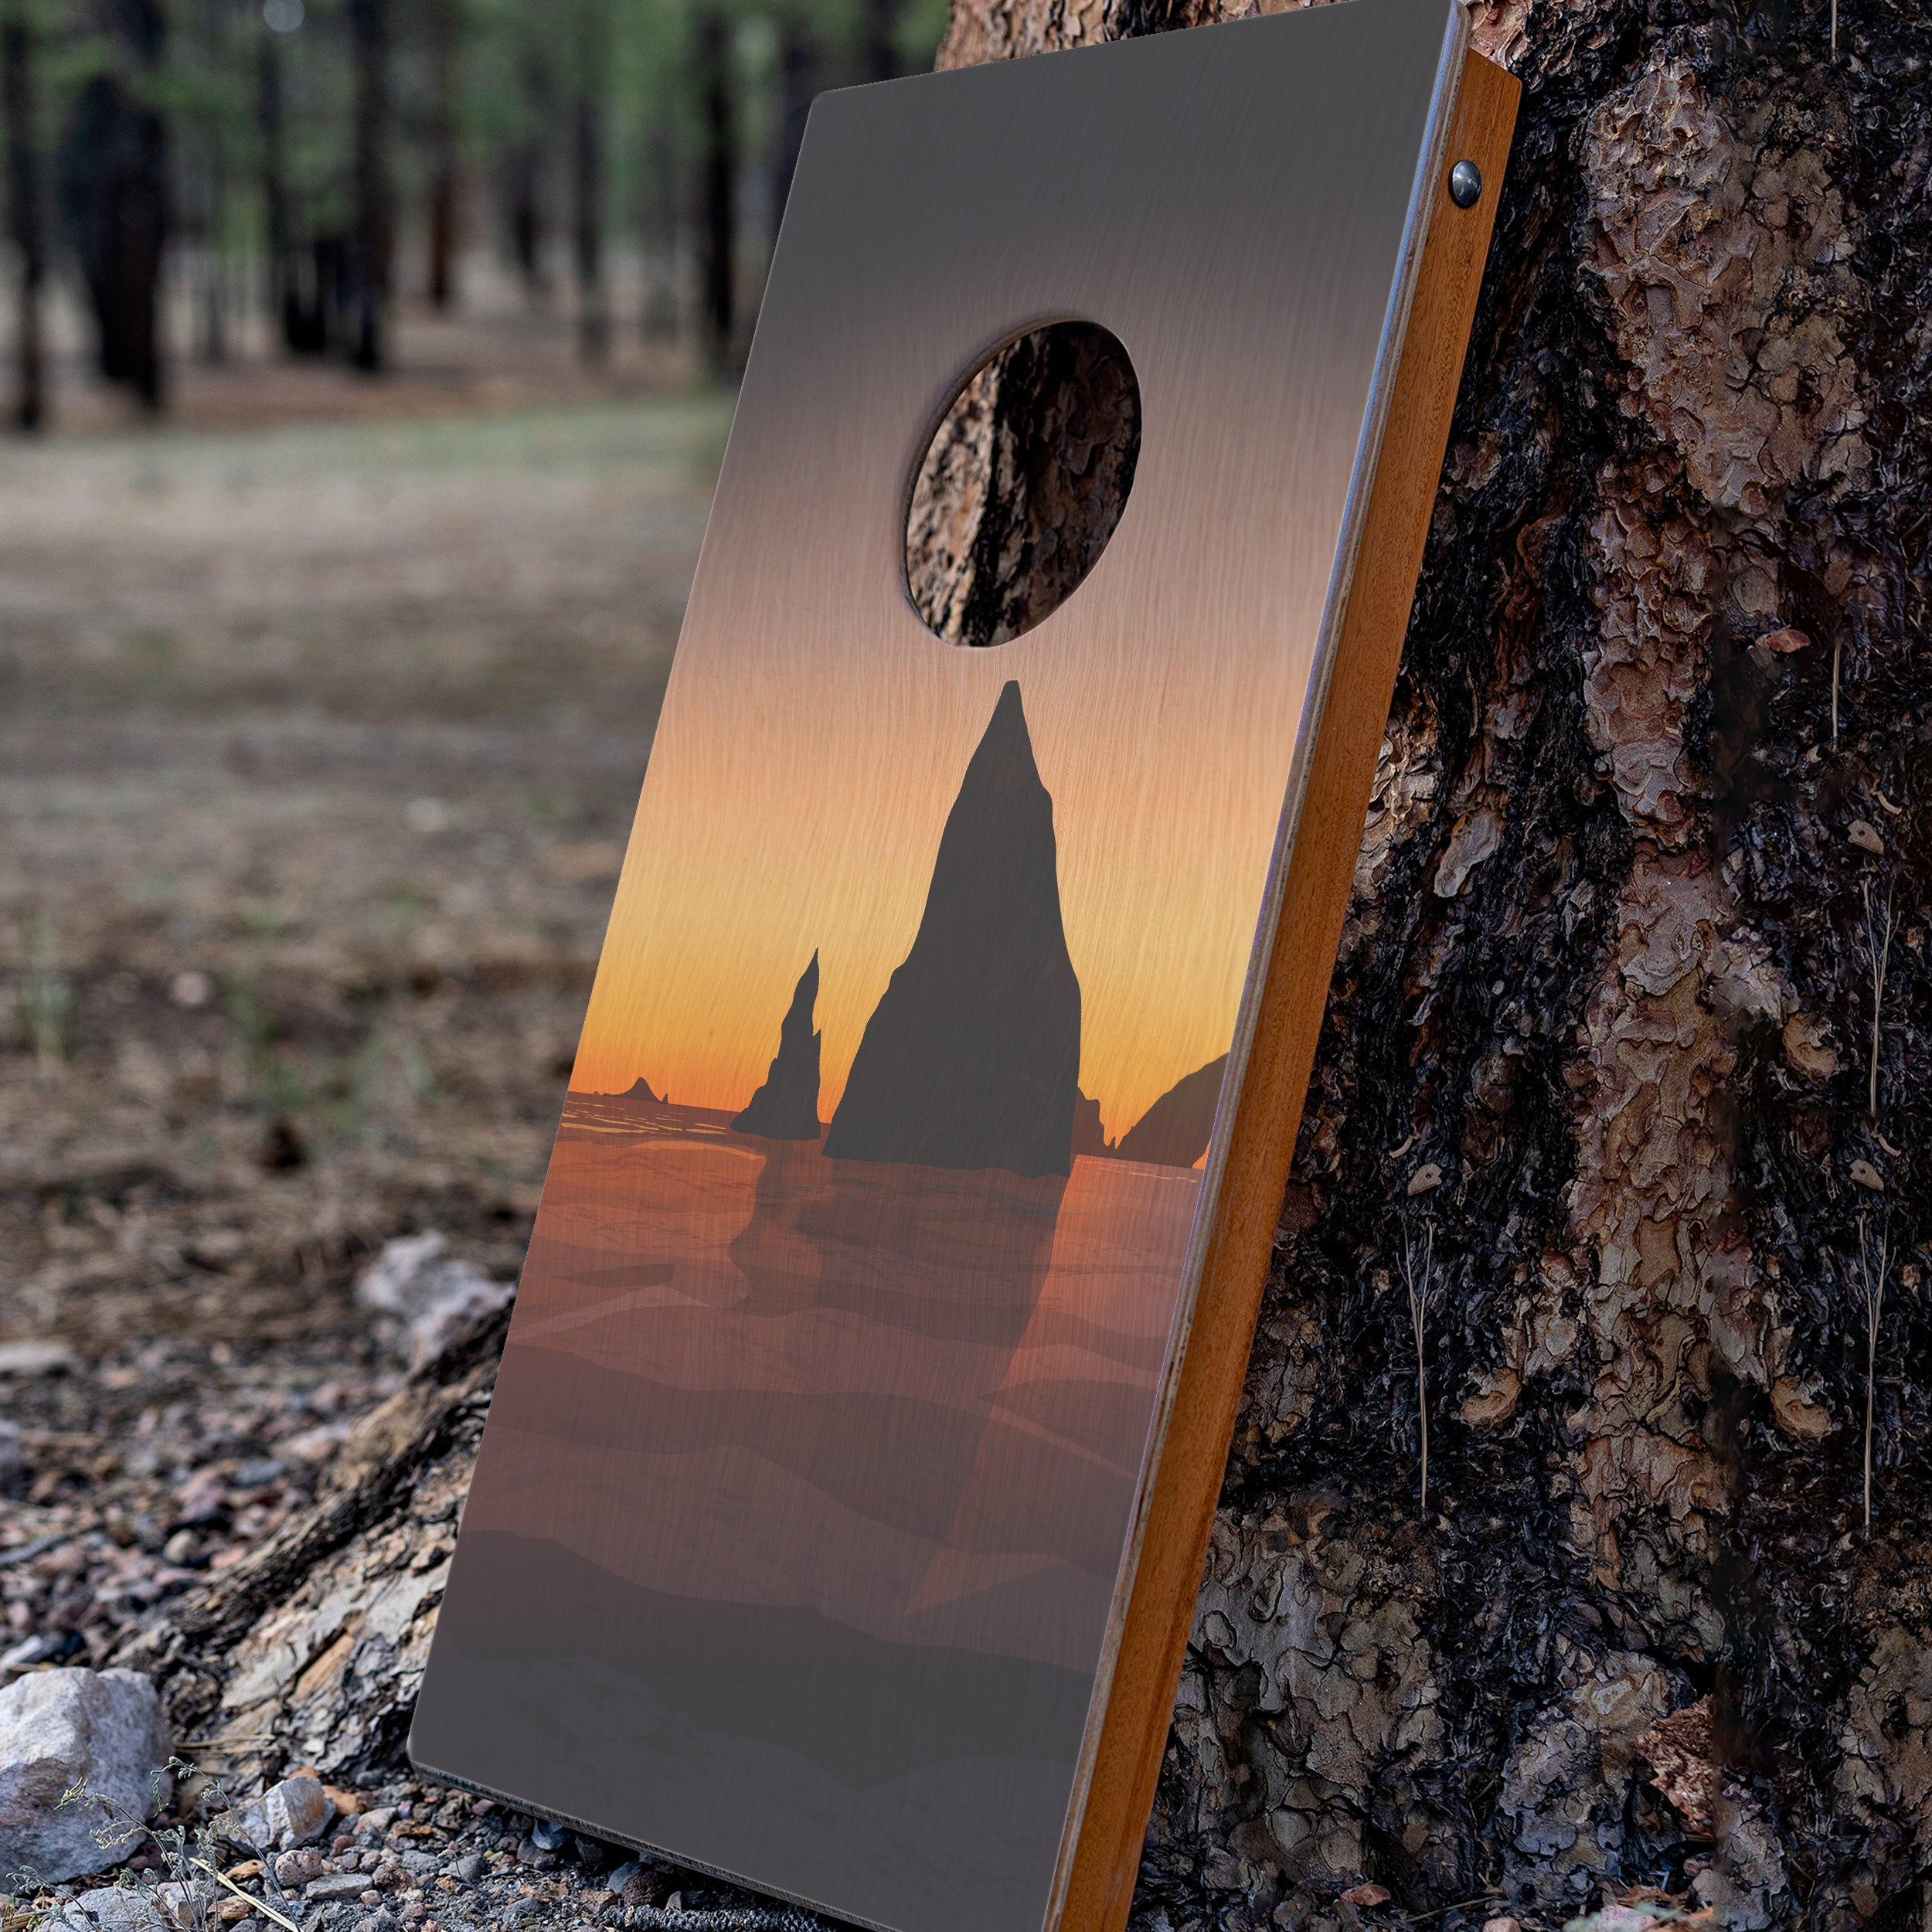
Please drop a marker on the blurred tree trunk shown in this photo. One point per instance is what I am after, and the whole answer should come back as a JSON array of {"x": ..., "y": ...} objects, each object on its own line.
[
  {"x": 214, "y": 335},
  {"x": 878, "y": 40},
  {"x": 528, "y": 236},
  {"x": 797, "y": 82},
  {"x": 280, "y": 292},
  {"x": 587, "y": 179},
  {"x": 1598, "y": 1057},
  {"x": 445, "y": 33},
  {"x": 373, "y": 239},
  {"x": 662, "y": 207},
  {"x": 26, "y": 219},
  {"x": 114, "y": 192},
  {"x": 718, "y": 215}
]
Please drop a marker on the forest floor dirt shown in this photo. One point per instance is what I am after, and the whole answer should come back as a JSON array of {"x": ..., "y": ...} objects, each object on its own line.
[
  {"x": 318, "y": 745},
  {"x": 318, "y": 749}
]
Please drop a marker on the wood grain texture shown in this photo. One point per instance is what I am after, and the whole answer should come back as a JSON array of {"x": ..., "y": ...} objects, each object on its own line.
[{"x": 1180, "y": 1507}]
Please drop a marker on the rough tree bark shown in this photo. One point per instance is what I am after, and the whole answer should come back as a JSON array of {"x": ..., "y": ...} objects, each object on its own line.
[
  {"x": 311, "y": 1649},
  {"x": 1602, "y": 1031}
]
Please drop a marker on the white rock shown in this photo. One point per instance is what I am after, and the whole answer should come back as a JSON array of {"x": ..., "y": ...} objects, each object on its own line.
[
  {"x": 37, "y": 1358},
  {"x": 61, "y": 1728},
  {"x": 296, "y": 1812},
  {"x": 133, "y": 1908},
  {"x": 439, "y": 1299}
]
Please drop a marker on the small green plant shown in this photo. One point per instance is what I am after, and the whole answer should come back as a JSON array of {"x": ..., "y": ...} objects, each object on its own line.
[
  {"x": 46, "y": 999},
  {"x": 274, "y": 1088},
  {"x": 186, "y": 1899}
]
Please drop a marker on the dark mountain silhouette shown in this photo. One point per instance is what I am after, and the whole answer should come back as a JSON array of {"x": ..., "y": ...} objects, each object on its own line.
[
  {"x": 785, "y": 1108},
  {"x": 1174, "y": 1131},
  {"x": 1090, "y": 1137},
  {"x": 639, "y": 1094},
  {"x": 972, "y": 1058}
]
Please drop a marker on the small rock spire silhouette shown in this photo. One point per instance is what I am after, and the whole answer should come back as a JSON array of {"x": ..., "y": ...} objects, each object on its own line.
[
  {"x": 785, "y": 1108},
  {"x": 972, "y": 1058}
]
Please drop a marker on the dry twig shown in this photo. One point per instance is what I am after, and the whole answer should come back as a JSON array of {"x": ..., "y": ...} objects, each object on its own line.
[
  {"x": 1878, "y": 946},
  {"x": 1422, "y": 1296},
  {"x": 1872, "y": 1292}
]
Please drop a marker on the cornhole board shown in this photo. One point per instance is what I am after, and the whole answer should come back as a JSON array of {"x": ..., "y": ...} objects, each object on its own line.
[{"x": 847, "y": 1481}]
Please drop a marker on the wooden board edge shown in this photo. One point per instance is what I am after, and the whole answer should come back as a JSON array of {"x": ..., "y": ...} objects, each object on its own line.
[{"x": 1160, "y": 1614}]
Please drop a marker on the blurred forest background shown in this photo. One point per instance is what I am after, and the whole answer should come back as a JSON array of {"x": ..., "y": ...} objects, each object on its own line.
[
  {"x": 189, "y": 182},
  {"x": 370, "y": 362}
]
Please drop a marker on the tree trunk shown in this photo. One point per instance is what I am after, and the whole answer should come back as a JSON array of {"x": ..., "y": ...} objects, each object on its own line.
[
  {"x": 1597, "y": 1060},
  {"x": 1600, "y": 1031},
  {"x": 527, "y": 230},
  {"x": 587, "y": 146},
  {"x": 114, "y": 192},
  {"x": 373, "y": 235},
  {"x": 279, "y": 292},
  {"x": 445, "y": 62},
  {"x": 878, "y": 40},
  {"x": 214, "y": 335},
  {"x": 26, "y": 216},
  {"x": 797, "y": 82},
  {"x": 718, "y": 215},
  {"x": 664, "y": 213}
]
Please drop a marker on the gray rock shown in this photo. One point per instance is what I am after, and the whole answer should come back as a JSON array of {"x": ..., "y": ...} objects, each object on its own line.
[
  {"x": 420, "y": 1864},
  {"x": 336, "y": 1885},
  {"x": 131, "y": 1908},
  {"x": 440, "y": 1299},
  {"x": 294, "y": 1869},
  {"x": 520, "y": 1909},
  {"x": 296, "y": 1812},
  {"x": 469, "y": 1867},
  {"x": 13, "y": 1458},
  {"x": 548, "y": 1835},
  {"x": 622, "y": 1876},
  {"x": 37, "y": 1358},
  {"x": 61, "y": 1728}
]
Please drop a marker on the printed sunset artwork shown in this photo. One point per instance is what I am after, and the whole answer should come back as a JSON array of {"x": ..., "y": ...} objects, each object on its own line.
[{"x": 811, "y": 1466}]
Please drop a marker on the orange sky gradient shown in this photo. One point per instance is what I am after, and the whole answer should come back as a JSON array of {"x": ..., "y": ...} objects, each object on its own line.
[{"x": 815, "y": 733}]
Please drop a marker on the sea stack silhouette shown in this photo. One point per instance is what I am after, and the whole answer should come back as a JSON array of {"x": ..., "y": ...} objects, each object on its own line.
[
  {"x": 972, "y": 1058},
  {"x": 785, "y": 1108},
  {"x": 1175, "y": 1130}
]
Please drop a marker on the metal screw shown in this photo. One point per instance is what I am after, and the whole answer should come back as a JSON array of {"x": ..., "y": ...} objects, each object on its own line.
[{"x": 1465, "y": 184}]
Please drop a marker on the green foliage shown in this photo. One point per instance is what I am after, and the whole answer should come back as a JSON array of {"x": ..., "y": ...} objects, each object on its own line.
[{"x": 524, "y": 74}]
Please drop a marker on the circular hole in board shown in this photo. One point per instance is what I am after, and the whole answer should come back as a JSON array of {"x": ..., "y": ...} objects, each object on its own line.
[{"x": 1023, "y": 483}]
